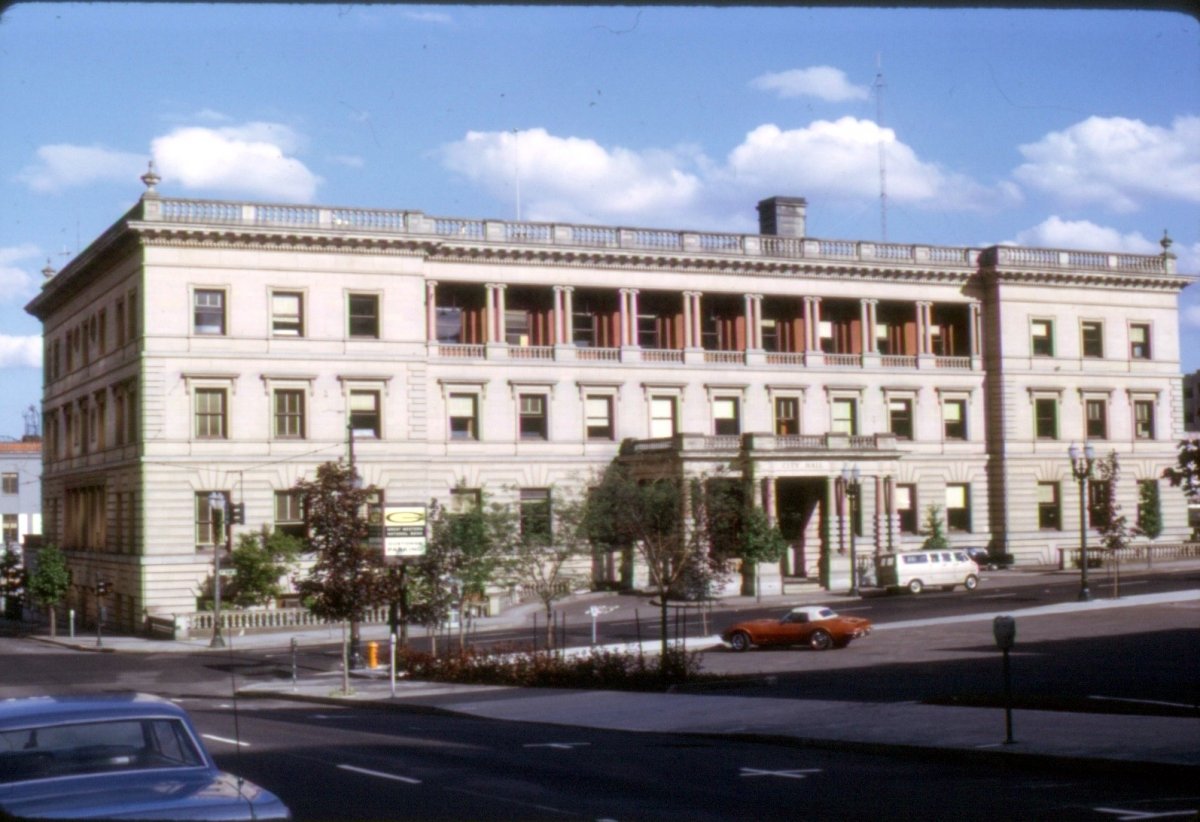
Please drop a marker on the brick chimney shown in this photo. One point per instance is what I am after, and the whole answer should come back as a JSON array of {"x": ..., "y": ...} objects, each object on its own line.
[{"x": 782, "y": 216}]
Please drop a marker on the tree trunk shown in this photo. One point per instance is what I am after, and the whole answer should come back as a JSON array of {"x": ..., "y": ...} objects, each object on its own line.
[{"x": 53, "y": 623}]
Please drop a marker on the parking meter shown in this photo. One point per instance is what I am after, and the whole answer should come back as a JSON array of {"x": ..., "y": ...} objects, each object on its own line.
[{"x": 1004, "y": 628}]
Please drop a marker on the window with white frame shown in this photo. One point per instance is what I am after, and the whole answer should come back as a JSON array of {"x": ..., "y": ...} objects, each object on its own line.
[
  {"x": 363, "y": 315},
  {"x": 900, "y": 417},
  {"x": 787, "y": 416},
  {"x": 287, "y": 314},
  {"x": 208, "y": 311},
  {"x": 958, "y": 507},
  {"x": 1139, "y": 341},
  {"x": 366, "y": 417},
  {"x": 1092, "y": 338},
  {"x": 844, "y": 416},
  {"x": 954, "y": 419},
  {"x": 726, "y": 416},
  {"x": 1096, "y": 418},
  {"x": 1049, "y": 508},
  {"x": 906, "y": 507},
  {"x": 289, "y": 413},
  {"x": 663, "y": 416},
  {"x": 1042, "y": 338},
  {"x": 1143, "y": 419},
  {"x": 211, "y": 413},
  {"x": 463, "y": 411},
  {"x": 532, "y": 417},
  {"x": 535, "y": 515},
  {"x": 598, "y": 411},
  {"x": 289, "y": 513}
]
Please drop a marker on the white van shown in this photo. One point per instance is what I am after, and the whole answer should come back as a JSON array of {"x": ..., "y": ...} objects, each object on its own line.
[{"x": 918, "y": 570}]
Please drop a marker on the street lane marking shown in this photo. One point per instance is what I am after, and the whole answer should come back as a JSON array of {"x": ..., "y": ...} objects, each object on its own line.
[
  {"x": 1142, "y": 701},
  {"x": 226, "y": 741},
  {"x": 562, "y": 746},
  {"x": 396, "y": 777},
  {"x": 1123, "y": 814},
  {"x": 792, "y": 774}
]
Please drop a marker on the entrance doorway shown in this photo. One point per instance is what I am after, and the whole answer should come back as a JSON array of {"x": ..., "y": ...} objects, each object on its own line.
[{"x": 800, "y": 509}]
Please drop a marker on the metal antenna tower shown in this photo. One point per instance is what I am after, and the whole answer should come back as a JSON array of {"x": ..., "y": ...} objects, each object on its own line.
[{"x": 878, "y": 86}]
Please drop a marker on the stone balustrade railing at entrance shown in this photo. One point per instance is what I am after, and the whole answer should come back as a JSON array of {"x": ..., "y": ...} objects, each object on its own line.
[{"x": 682, "y": 443}]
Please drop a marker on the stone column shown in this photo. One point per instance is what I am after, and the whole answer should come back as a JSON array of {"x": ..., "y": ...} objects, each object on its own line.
[
  {"x": 975, "y": 329},
  {"x": 687, "y": 319},
  {"x": 431, "y": 311}
]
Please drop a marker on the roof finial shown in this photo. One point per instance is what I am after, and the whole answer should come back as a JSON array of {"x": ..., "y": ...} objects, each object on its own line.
[
  {"x": 151, "y": 179},
  {"x": 49, "y": 271},
  {"x": 1166, "y": 242}
]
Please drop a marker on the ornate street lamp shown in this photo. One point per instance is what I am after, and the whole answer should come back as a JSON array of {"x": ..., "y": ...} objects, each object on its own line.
[
  {"x": 216, "y": 504},
  {"x": 853, "y": 485},
  {"x": 1081, "y": 467}
]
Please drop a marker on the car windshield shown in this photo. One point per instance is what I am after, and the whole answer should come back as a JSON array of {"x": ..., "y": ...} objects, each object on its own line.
[
  {"x": 95, "y": 747},
  {"x": 826, "y": 613}
]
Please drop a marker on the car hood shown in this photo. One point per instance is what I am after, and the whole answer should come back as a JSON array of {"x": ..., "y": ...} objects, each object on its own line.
[{"x": 185, "y": 793}]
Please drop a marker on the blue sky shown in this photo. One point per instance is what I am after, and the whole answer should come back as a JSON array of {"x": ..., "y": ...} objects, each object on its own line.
[{"x": 1065, "y": 129}]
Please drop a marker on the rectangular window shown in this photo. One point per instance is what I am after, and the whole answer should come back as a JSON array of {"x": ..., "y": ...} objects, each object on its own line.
[
  {"x": 954, "y": 419},
  {"x": 464, "y": 416},
  {"x": 1097, "y": 419},
  {"x": 583, "y": 329},
  {"x": 210, "y": 414},
  {"x": 289, "y": 414},
  {"x": 770, "y": 334},
  {"x": 1098, "y": 503},
  {"x": 464, "y": 500},
  {"x": 958, "y": 507},
  {"x": 1042, "y": 342},
  {"x": 8, "y": 482},
  {"x": 599, "y": 421},
  {"x": 1045, "y": 412},
  {"x": 900, "y": 419},
  {"x": 364, "y": 414},
  {"x": 209, "y": 308},
  {"x": 1093, "y": 338},
  {"x": 449, "y": 324},
  {"x": 845, "y": 417},
  {"x": 363, "y": 310},
  {"x": 647, "y": 329},
  {"x": 289, "y": 513},
  {"x": 1139, "y": 341},
  {"x": 906, "y": 508},
  {"x": 532, "y": 421},
  {"x": 119, "y": 320},
  {"x": 9, "y": 531},
  {"x": 787, "y": 416},
  {"x": 535, "y": 514},
  {"x": 1049, "y": 512},
  {"x": 662, "y": 417},
  {"x": 516, "y": 327},
  {"x": 287, "y": 314},
  {"x": 1143, "y": 419},
  {"x": 726, "y": 417},
  {"x": 210, "y": 526}
]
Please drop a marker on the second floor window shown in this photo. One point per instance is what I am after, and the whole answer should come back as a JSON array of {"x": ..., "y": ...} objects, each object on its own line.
[
  {"x": 845, "y": 417},
  {"x": 787, "y": 416},
  {"x": 1097, "y": 419},
  {"x": 599, "y": 422},
  {"x": 726, "y": 419},
  {"x": 1042, "y": 342},
  {"x": 662, "y": 417},
  {"x": 287, "y": 314},
  {"x": 532, "y": 423},
  {"x": 958, "y": 507},
  {"x": 210, "y": 414},
  {"x": 535, "y": 514},
  {"x": 1143, "y": 419},
  {"x": 900, "y": 418},
  {"x": 464, "y": 417},
  {"x": 289, "y": 513},
  {"x": 209, "y": 312},
  {"x": 1045, "y": 420},
  {"x": 954, "y": 419},
  {"x": 289, "y": 414},
  {"x": 363, "y": 315},
  {"x": 365, "y": 417},
  {"x": 9, "y": 483},
  {"x": 906, "y": 508}
]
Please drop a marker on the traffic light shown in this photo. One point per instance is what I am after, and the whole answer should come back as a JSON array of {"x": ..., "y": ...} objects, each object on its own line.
[
  {"x": 238, "y": 515},
  {"x": 103, "y": 587}
]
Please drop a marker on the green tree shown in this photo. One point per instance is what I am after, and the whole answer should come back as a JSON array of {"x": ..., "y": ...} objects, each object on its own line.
[
  {"x": 762, "y": 541},
  {"x": 465, "y": 549},
  {"x": 260, "y": 563},
  {"x": 934, "y": 531},
  {"x": 550, "y": 541},
  {"x": 344, "y": 581},
  {"x": 1113, "y": 526},
  {"x": 1149, "y": 512},
  {"x": 1185, "y": 473},
  {"x": 49, "y": 582},
  {"x": 12, "y": 581}
]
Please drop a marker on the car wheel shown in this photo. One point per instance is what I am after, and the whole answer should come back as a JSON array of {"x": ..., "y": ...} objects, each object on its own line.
[
  {"x": 916, "y": 586},
  {"x": 820, "y": 641},
  {"x": 971, "y": 582},
  {"x": 740, "y": 641}
]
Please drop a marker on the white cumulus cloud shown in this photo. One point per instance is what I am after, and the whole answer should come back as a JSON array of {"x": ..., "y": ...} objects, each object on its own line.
[
  {"x": 1055, "y": 232},
  {"x": 16, "y": 282},
  {"x": 253, "y": 158},
  {"x": 823, "y": 82},
  {"x": 1116, "y": 162},
  {"x": 61, "y": 166},
  {"x": 1191, "y": 316},
  {"x": 18, "y": 352},
  {"x": 571, "y": 178}
]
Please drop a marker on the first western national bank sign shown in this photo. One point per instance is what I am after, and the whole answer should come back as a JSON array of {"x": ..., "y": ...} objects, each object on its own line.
[{"x": 399, "y": 531}]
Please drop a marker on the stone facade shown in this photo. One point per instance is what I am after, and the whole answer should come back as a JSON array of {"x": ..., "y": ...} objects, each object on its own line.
[{"x": 202, "y": 346}]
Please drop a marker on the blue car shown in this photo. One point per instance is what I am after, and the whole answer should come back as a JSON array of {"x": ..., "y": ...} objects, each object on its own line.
[{"x": 116, "y": 757}]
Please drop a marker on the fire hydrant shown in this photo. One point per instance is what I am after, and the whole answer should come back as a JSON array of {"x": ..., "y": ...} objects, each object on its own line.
[{"x": 372, "y": 654}]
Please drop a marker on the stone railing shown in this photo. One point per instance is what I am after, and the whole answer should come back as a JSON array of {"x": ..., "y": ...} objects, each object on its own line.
[
  {"x": 761, "y": 442},
  {"x": 1147, "y": 552},
  {"x": 416, "y": 223}
]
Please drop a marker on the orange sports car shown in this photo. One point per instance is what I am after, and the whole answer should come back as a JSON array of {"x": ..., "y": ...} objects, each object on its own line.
[{"x": 817, "y": 627}]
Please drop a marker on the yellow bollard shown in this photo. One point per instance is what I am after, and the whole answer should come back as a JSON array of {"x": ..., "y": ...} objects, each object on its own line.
[{"x": 372, "y": 654}]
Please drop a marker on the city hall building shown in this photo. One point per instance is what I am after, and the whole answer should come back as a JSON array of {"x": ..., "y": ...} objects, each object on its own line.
[{"x": 200, "y": 346}]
